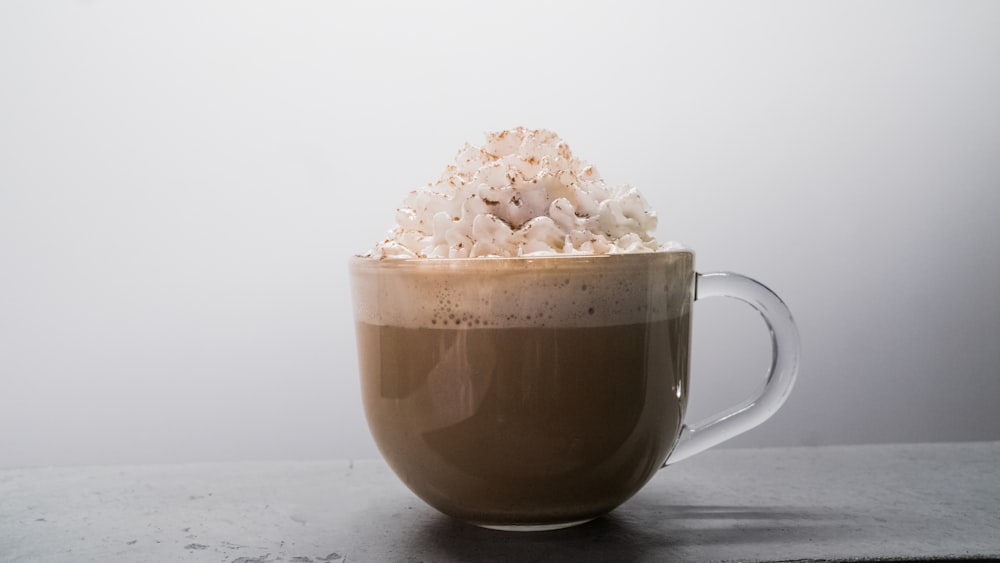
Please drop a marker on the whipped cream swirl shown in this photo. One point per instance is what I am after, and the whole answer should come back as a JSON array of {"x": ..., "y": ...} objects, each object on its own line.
[{"x": 522, "y": 193}]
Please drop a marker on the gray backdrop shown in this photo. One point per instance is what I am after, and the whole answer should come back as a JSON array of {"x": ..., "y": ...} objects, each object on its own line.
[{"x": 181, "y": 184}]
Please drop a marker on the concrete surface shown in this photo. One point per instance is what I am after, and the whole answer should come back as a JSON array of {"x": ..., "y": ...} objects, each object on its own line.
[{"x": 849, "y": 503}]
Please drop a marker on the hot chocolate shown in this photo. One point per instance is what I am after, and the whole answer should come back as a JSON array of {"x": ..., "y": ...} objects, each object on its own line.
[
  {"x": 524, "y": 339},
  {"x": 555, "y": 409},
  {"x": 524, "y": 426}
]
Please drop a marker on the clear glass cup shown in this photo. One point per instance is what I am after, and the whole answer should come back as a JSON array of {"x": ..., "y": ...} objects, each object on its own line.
[{"x": 540, "y": 393}]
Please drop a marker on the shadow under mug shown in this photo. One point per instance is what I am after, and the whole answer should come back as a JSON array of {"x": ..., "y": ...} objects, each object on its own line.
[{"x": 539, "y": 393}]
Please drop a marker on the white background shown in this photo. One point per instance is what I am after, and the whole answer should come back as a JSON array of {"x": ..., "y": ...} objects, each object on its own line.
[{"x": 181, "y": 184}]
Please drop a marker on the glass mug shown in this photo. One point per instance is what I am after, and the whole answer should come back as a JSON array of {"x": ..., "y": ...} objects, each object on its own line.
[{"x": 539, "y": 393}]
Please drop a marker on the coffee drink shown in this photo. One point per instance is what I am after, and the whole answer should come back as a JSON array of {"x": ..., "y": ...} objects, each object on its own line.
[
  {"x": 524, "y": 339},
  {"x": 553, "y": 409}
]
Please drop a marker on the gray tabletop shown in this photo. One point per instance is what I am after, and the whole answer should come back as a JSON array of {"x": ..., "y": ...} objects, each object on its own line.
[{"x": 897, "y": 502}]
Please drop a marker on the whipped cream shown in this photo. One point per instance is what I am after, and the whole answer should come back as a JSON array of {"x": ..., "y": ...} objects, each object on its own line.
[{"x": 522, "y": 193}]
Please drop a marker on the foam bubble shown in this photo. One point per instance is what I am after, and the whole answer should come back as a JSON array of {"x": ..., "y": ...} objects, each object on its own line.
[{"x": 522, "y": 193}]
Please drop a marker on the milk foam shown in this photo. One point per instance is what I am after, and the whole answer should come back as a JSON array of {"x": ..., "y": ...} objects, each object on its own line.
[
  {"x": 555, "y": 291},
  {"x": 522, "y": 193}
]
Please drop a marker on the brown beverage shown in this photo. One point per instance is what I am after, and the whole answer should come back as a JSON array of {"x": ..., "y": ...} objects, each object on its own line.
[
  {"x": 523, "y": 339},
  {"x": 525, "y": 392}
]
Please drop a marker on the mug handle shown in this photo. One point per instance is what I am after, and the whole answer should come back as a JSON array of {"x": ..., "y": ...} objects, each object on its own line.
[{"x": 780, "y": 377}]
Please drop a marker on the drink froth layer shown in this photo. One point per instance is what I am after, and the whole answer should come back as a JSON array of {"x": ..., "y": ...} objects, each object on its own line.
[{"x": 581, "y": 291}]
